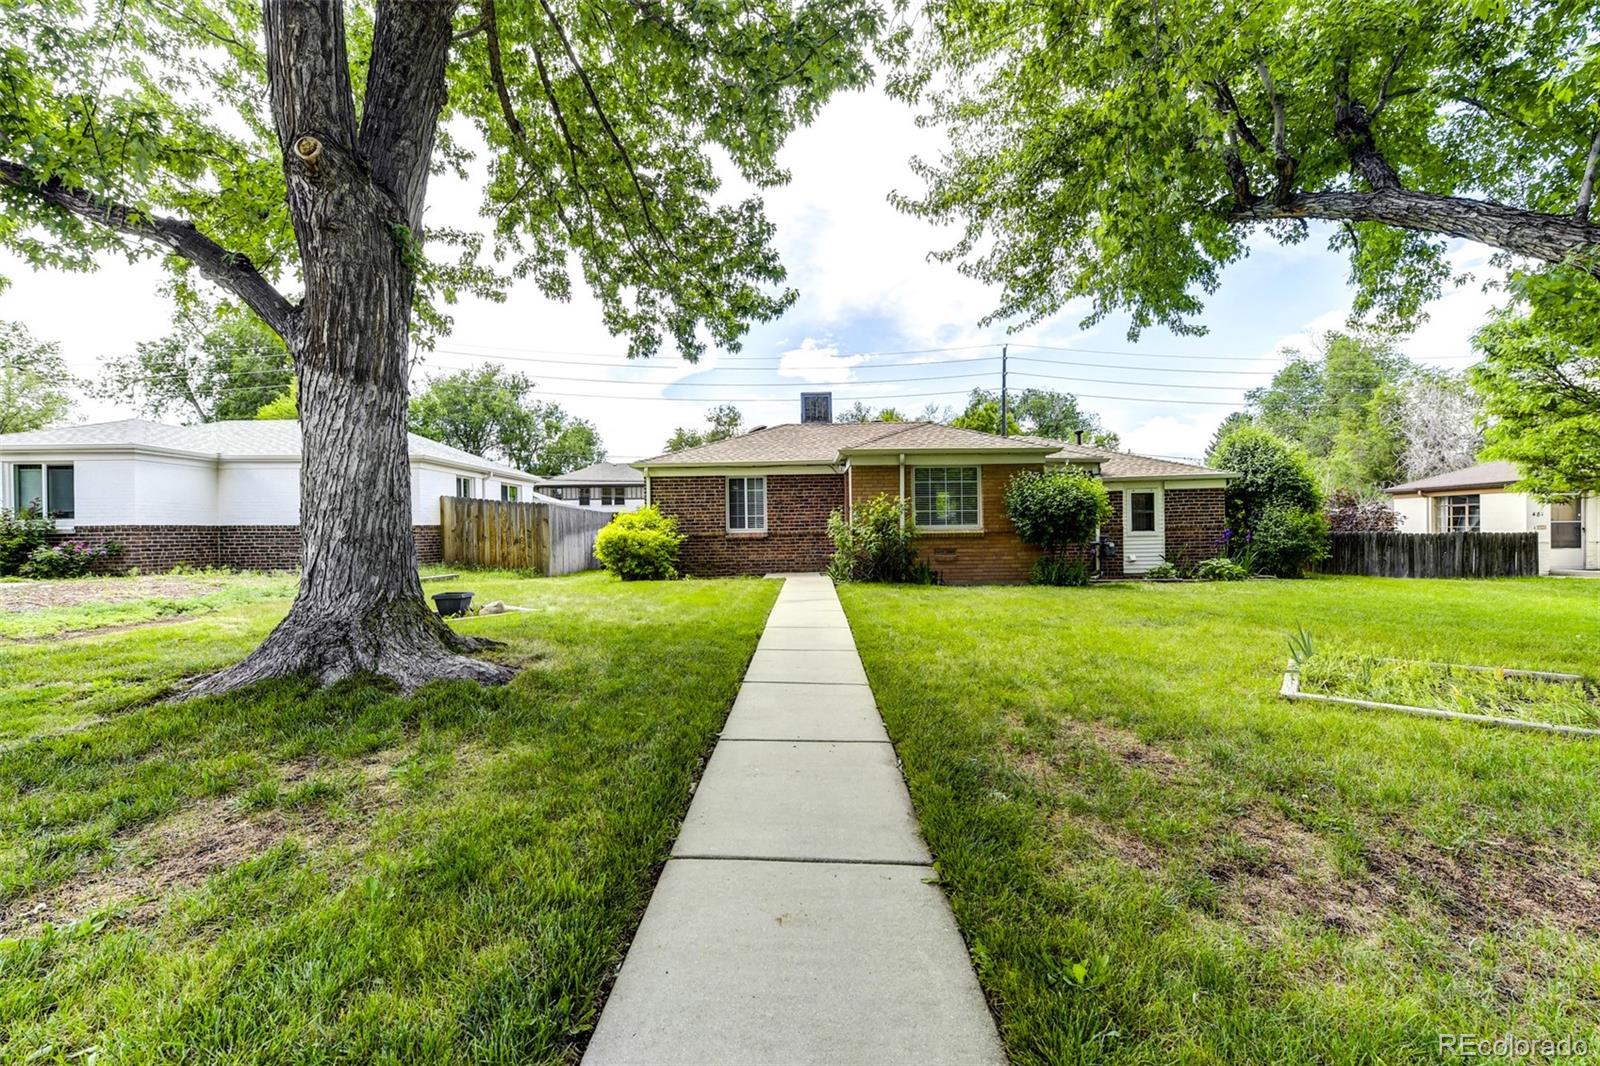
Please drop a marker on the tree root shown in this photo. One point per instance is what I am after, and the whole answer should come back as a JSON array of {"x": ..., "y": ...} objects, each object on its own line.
[{"x": 402, "y": 642}]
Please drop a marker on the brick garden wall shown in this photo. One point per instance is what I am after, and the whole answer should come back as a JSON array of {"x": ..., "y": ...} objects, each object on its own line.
[
  {"x": 156, "y": 549},
  {"x": 796, "y": 537}
]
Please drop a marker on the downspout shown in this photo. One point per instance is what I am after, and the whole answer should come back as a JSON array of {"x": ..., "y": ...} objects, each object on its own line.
[
  {"x": 902, "y": 491},
  {"x": 647, "y": 486}
]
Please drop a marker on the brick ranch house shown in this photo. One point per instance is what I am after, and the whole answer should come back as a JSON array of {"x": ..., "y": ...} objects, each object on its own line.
[
  {"x": 217, "y": 494},
  {"x": 759, "y": 503}
]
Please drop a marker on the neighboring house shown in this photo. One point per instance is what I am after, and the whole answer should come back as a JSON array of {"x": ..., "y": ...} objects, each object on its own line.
[
  {"x": 1482, "y": 499},
  {"x": 602, "y": 486},
  {"x": 759, "y": 502},
  {"x": 217, "y": 494}
]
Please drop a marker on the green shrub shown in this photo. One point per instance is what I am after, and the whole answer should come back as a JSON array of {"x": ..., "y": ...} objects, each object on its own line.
[
  {"x": 878, "y": 542},
  {"x": 1269, "y": 472},
  {"x": 1060, "y": 570},
  {"x": 640, "y": 545},
  {"x": 72, "y": 559},
  {"x": 1221, "y": 568},
  {"x": 1287, "y": 540},
  {"x": 21, "y": 534},
  {"x": 1162, "y": 571},
  {"x": 1057, "y": 509}
]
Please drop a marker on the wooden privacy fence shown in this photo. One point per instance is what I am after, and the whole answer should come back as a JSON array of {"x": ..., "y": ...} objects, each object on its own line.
[
  {"x": 545, "y": 537},
  {"x": 1433, "y": 554}
]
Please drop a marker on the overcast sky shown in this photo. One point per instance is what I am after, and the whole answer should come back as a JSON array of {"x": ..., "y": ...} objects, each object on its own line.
[{"x": 866, "y": 289}]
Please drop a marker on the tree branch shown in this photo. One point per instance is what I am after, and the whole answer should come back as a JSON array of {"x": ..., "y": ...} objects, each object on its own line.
[
  {"x": 497, "y": 74},
  {"x": 1283, "y": 163},
  {"x": 605, "y": 122},
  {"x": 1550, "y": 238},
  {"x": 1586, "y": 187},
  {"x": 231, "y": 270},
  {"x": 1383, "y": 89},
  {"x": 1230, "y": 106},
  {"x": 405, "y": 91}
]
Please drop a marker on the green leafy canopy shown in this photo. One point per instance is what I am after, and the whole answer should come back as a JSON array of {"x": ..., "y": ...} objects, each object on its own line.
[
  {"x": 142, "y": 127},
  {"x": 1121, "y": 154}
]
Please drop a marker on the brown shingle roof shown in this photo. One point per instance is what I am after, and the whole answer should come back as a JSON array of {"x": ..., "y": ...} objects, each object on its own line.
[
  {"x": 1481, "y": 476},
  {"x": 1125, "y": 466},
  {"x": 825, "y": 442},
  {"x": 828, "y": 442}
]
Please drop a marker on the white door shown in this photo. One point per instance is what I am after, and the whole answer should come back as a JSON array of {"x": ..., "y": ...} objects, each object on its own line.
[
  {"x": 1144, "y": 528},
  {"x": 1565, "y": 518}
]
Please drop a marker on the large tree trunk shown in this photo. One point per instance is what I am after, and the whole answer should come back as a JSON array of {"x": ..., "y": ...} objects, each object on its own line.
[{"x": 356, "y": 202}]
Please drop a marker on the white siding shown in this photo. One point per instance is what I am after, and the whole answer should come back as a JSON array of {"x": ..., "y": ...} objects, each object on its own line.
[
  {"x": 1141, "y": 551},
  {"x": 258, "y": 494},
  {"x": 173, "y": 492},
  {"x": 1414, "y": 514}
]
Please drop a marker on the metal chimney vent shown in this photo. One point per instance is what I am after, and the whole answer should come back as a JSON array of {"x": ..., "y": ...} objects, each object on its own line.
[{"x": 816, "y": 407}]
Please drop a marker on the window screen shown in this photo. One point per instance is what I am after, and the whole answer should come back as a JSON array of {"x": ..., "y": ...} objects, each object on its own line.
[{"x": 747, "y": 503}]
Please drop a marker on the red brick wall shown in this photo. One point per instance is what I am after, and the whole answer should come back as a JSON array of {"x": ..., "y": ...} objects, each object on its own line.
[
  {"x": 796, "y": 537},
  {"x": 155, "y": 549},
  {"x": 997, "y": 556},
  {"x": 1196, "y": 519}
]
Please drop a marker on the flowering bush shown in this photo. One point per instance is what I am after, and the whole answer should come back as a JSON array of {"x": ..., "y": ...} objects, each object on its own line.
[
  {"x": 21, "y": 534},
  {"x": 72, "y": 559}
]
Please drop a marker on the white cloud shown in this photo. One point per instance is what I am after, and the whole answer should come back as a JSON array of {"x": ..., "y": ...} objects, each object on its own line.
[{"x": 818, "y": 364}]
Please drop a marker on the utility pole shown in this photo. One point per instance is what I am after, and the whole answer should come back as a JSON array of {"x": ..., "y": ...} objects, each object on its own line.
[{"x": 1004, "y": 421}]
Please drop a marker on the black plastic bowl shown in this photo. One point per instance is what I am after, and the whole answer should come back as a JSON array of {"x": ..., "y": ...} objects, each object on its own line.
[{"x": 452, "y": 604}]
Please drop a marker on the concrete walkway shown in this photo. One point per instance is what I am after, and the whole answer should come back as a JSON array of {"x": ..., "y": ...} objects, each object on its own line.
[{"x": 796, "y": 921}]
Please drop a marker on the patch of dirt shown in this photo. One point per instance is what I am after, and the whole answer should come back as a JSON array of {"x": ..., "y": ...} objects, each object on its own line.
[
  {"x": 1268, "y": 868},
  {"x": 206, "y": 837},
  {"x": 121, "y": 627},
  {"x": 1128, "y": 748},
  {"x": 177, "y": 853},
  {"x": 41, "y": 595}
]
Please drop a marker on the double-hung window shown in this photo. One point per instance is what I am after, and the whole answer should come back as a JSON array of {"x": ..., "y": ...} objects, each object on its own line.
[
  {"x": 945, "y": 497},
  {"x": 1459, "y": 514},
  {"x": 611, "y": 495},
  {"x": 508, "y": 493},
  {"x": 49, "y": 491},
  {"x": 747, "y": 504},
  {"x": 1142, "y": 512}
]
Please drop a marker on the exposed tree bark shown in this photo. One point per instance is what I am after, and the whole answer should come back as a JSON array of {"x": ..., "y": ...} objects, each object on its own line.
[
  {"x": 356, "y": 200},
  {"x": 1551, "y": 238}
]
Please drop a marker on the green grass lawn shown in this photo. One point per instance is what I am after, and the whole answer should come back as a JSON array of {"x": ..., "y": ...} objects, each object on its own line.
[
  {"x": 293, "y": 875},
  {"x": 1156, "y": 859}
]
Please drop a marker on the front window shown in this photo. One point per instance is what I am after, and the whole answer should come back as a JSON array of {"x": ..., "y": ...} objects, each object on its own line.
[
  {"x": 508, "y": 493},
  {"x": 464, "y": 487},
  {"x": 1458, "y": 514},
  {"x": 747, "y": 504},
  {"x": 1566, "y": 524},
  {"x": 1142, "y": 512},
  {"x": 48, "y": 490},
  {"x": 945, "y": 497}
]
